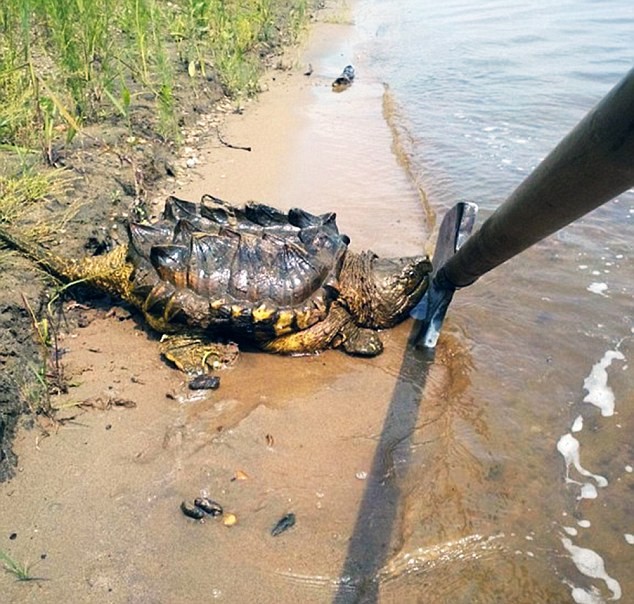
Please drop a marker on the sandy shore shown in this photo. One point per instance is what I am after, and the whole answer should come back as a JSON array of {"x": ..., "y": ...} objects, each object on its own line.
[{"x": 95, "y": 505}]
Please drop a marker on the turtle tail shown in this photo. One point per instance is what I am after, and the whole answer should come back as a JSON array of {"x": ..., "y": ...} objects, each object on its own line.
[{"x": 109, "y": 272}]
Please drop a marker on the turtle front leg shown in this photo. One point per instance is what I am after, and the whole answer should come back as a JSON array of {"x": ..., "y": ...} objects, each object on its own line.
[{"x": 336, "y": 330}]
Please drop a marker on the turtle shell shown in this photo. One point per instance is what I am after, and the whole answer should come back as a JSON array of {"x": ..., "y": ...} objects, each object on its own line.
[{"x": 247, "y": 271}]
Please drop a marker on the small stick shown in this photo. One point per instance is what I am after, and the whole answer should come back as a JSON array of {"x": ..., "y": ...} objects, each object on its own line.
[{"x": 226, "y": 144}]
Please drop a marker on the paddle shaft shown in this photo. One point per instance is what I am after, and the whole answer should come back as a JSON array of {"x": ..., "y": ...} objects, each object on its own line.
[{"x": 590, "y": 166}]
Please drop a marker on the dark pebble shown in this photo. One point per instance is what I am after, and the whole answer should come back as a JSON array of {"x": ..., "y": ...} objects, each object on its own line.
[
  {"x": 13, "y": 536},
  {"x": 283, "y": 524},
  {"x": 208, "y": 506},
  {"x": 192, "y": 511},
  {"x": 205, "y": 382}
]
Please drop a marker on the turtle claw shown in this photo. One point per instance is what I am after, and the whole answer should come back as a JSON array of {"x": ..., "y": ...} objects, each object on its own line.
[
  {"x": 362, "y": 342},
  {"x": 196, "y": 355}
]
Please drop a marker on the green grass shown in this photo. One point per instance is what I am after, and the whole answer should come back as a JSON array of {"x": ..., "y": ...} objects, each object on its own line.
[
  {"x": 21, "y": 571},
  {"x": 66, "y": 64},
  {"x": 20, "y": 190}
]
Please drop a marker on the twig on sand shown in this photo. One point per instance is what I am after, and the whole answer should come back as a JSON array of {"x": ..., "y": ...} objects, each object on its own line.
[{"x": 226, "y": 144}]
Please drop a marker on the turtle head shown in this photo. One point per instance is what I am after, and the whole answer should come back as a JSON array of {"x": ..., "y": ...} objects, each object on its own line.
[
  {"x": 399, "y": 283},
  {"x": 384, "y": 290}
]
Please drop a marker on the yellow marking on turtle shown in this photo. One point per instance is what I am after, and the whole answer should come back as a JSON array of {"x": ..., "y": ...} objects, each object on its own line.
[
  {"x": 179, "y": 278},
  {"x": 158, "y": 323},
  {"x": 171, "y": 309},
  {"x": 263, "y": 313},
  {"x": 284, "y": 323}
]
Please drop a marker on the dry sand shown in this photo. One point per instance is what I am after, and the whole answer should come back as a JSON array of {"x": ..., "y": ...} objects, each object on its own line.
[{"x": 95, "y": 505}]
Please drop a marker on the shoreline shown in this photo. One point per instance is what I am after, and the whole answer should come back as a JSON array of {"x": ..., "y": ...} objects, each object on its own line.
[{"x": 320, "y": 150}]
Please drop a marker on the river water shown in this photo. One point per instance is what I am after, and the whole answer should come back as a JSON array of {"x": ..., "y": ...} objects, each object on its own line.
[{"x": 515, "y": 480}]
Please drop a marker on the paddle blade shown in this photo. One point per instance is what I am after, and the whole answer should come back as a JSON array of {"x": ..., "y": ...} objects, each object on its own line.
[{"x": 455, "y": 229}]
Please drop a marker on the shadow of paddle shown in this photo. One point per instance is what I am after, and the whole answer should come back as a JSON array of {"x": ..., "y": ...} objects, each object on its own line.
[{"x": 369, "y": 545}]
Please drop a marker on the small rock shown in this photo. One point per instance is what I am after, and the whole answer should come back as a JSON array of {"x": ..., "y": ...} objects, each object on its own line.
[
  {"x": 283, "y": 524},
  {"x": 230, "y": 519},
  {"x": 240, "y": 475},
  {"x": 205, "y": 382},
  {"x": 192, "y": 511}
]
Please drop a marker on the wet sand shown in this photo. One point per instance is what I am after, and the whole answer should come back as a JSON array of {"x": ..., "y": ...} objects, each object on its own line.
[{"x": 95, "y": 504}]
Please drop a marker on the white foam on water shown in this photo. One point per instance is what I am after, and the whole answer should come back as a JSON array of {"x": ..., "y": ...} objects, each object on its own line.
[
  {"x": 599, "y": 393},
  {"x": 596, "y": 287},
  {"x": 588, "y": 491},
  {"x": 581, "y": 596},
  {"x": 577, "y": 425},
  {"x": 590, "y": 564},
  {"x": 568, "y": 446},
  {"x": 587, "y": 561}
]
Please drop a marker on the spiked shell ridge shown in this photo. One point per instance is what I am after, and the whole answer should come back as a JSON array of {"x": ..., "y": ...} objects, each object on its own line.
[{"x": 251, "y": 270}]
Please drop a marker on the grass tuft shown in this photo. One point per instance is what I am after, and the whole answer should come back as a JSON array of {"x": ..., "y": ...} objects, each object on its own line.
[
  {"x": 21, "y": 571},
  {"x": 20, "y": 191}
]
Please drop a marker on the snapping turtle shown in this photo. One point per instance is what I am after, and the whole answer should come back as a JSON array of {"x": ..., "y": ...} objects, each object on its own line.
[{"x": 284, "y": 282}]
